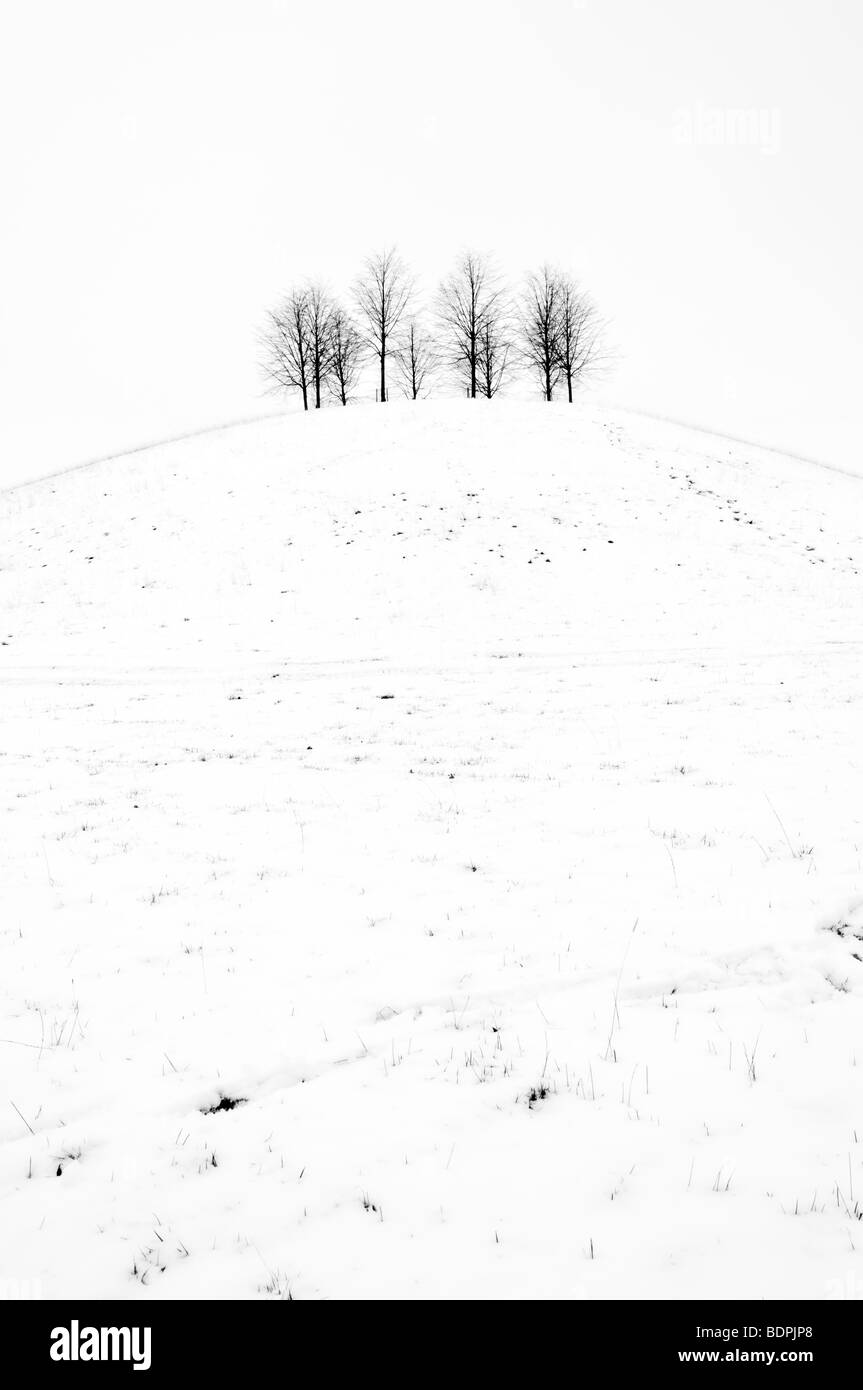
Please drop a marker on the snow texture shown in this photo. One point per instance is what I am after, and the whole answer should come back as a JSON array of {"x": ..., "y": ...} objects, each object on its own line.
[{"x": 432, "y": 864}]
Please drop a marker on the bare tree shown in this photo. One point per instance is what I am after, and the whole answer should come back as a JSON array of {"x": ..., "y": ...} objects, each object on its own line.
[
  {"x": 319, "y": 314},
  {"x": 465, "y": 301},
  {"x": 540, "y": 328},
  {"x": 580, "y": 334},
  {"x": 286, "y": 360},
  {"x": 416, "y": 357},
  {"x": 383, "y": 293},
  {"x": 494, "y": 353},
  {"x": 345, "y": 355}
]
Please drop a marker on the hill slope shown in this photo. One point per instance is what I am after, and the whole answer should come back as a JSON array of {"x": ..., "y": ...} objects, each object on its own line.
[{"x": 473, "y": 794}]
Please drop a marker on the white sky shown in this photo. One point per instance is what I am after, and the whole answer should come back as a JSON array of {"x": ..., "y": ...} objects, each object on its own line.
[{"x": 170, "y": 166}]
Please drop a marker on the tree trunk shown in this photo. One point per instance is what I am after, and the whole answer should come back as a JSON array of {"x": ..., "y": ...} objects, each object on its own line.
[
  {"x": 473, "y": 342},
  {"x": 383, "y": 368}
]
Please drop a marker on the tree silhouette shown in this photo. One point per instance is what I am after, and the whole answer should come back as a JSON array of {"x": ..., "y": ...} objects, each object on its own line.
[{"x": 383, "y": 293}]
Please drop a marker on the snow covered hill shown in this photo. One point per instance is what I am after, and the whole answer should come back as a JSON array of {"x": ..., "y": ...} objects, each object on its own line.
[{"x": 433, "y": 864}]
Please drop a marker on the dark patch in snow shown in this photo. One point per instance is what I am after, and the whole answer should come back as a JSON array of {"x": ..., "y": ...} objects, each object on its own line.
[
  {"x": 536, "y": 1094},
  {"x": 225, "y": 1103}
]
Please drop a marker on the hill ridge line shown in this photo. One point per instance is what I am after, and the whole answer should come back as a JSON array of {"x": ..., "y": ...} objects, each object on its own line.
[
  {"x": 143, "y": 448},
  {"x": 739, "y": 439},
  {"x": 244, "y": 420}
]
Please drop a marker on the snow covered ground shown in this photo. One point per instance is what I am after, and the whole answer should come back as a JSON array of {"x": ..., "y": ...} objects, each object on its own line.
[{"x": 474, "y": 794}]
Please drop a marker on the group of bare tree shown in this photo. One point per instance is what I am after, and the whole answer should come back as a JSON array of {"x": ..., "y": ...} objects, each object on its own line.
[
  {"x": 312, "y": 345},
  {"x": 309, "y": 344},
  {"x": 561, "y": 331}
]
